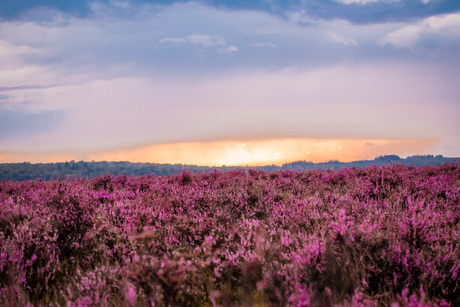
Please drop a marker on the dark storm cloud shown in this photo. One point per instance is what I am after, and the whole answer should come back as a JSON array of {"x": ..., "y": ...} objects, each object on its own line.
[
  {"x": 379, "y": 11},
  {"x": 355, "y": 11}
]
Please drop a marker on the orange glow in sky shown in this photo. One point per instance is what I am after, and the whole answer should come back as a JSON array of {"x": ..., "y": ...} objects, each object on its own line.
[
  {"x": 266, "y": 152},
  {"x": 242, "y": 153}
]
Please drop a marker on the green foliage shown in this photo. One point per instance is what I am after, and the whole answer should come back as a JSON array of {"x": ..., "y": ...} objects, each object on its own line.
[{"x": 82, "y": 169}]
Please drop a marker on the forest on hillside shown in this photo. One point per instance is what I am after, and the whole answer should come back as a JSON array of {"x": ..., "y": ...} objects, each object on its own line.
[{"x": 83, "y": 169}]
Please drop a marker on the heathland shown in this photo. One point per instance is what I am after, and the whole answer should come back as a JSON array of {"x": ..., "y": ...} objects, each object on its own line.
[{"x": 374, "y": 236}]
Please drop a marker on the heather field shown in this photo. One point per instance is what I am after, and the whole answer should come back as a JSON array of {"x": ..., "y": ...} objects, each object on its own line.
[{"x": 378, "y": 236}]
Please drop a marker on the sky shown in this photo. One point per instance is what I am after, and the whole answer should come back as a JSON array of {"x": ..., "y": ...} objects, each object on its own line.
[{"x": 220, "y": 82}]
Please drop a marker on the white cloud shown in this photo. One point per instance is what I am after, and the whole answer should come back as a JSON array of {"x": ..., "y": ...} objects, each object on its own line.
[
  {"x": 444, "y": 26},
  {"x": 437, "y": 23},
  {"x": 402, "y": 38},
  {"x": 260, "y": 44},
  {"x": 357, "y": 1},
  {"x": 346, "y": 41},
  {"x": 230, "y": 50},
  {"x": 146, "y": 40},
  {"x": 174, "y": 40},
  {"x": 364, "y": 2},
  {"x": 206, "y": 40},
  {"x": 10, "y": 54},
  {"x": 120, "y": 4},
  {"x": 197, "y": 39}
]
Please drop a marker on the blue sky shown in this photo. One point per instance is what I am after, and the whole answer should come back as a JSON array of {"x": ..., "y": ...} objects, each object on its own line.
[{"x": 82, "y": 77}]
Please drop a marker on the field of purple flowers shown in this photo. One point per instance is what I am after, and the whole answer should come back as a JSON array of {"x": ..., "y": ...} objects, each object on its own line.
[{"x": 355, "y": 237}]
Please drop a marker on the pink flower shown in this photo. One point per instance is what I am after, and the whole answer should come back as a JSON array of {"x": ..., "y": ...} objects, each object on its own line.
[
  {"x": 213, "y": 295},
  {"x": 131, "y": 295}
]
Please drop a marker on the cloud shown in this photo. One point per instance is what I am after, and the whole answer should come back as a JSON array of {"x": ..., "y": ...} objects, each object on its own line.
[
  {"x": 197, "y": 39},
  {"x": 230, "y": 50},
  {"x": 445, "y": 28},
  {"x": 110, "y": 44},
  {"x": 402, "y": 38},
  {"x": 370, "y": 11},
  {"x": 356, "y": 1},
  {"x": 346, "y": 41},
  {"x": 375, "y": 11},
  {"x": 206, "y": 40},
  {"x": 165, "y": 73},
  {"x": 174, "y": 40},
  {"x": 15, "y": 124},
  {"x": 377, "y": 101},
  {"x": 264, "y": 44},
  {"x": 22, "y": 87}
]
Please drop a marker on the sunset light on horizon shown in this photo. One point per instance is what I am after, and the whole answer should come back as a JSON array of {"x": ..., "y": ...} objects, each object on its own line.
[
  {"x": 248, "y": 153},
  {"x": 228, "y": 83}
]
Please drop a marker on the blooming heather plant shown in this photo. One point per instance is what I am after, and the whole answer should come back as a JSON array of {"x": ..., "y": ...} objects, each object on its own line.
[{"x": 379, "y": 236}]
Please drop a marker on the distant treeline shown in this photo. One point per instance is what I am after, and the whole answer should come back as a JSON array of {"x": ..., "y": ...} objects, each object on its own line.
[{"x": 82, "y": 169}]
